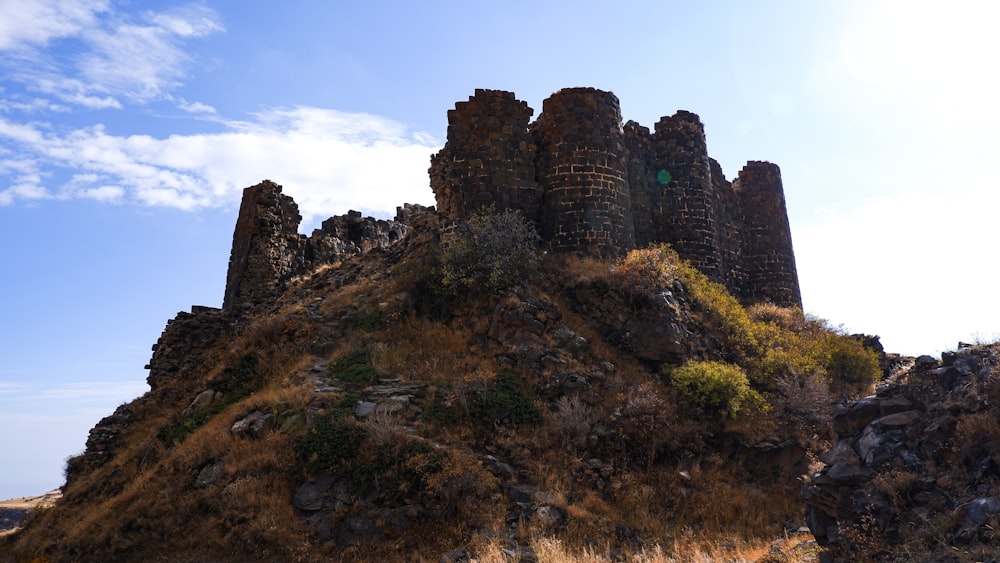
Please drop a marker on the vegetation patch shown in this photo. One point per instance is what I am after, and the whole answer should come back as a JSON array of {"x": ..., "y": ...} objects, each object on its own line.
[
  {"x": 490, "y": 251},
  {"x": 717, "y": 388},
  {"x": 354, "y": 367},
  {"x": 237, "y": 382}
]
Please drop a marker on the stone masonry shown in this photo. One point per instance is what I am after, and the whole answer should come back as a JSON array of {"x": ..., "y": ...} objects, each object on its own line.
[
  {"x": 268, "y": 250},
  {"x": 594, "y": 185}
]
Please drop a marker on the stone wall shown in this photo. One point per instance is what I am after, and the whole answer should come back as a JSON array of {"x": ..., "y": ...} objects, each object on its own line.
[
  {"x": 596, "y": 186},
  {"x": 268, "y": 250}
]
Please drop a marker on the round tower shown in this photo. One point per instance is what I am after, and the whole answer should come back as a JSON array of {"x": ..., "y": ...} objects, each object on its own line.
[
  {"x": 768, "y": 258},
  {"x": 582, "y": 169},
  {"x": 489, "y": 158},
  {"x": 683, "y": 169}
]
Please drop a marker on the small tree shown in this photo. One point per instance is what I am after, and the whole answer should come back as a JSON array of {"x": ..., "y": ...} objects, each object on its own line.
[{"x": 491, "y": 251}]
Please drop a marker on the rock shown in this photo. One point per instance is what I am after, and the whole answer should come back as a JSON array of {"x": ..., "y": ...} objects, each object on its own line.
[
  {"x": 841, "y": 452},
  {"x": 980, "y": 510},
  {"x": 924, "y": 363},
  {"x": 851, "y": 419},
  {"x": 549, "y": 516},
  {"x": 357, "y": 530},
  {"x": 254, "y": 425},
  {"x": 364, "y": 409},
  {"x": 209, "y": 475},
  {"x": 457, "y": 556},
  {"x": 521, "y": 493},
  {"x": 848, "y": 474},
  {"x": 309, "y": 497},
  {"x": 201, "y": 401}
]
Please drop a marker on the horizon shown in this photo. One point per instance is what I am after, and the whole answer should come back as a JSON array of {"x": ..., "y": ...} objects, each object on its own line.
[{"x": 127, "y": 134}]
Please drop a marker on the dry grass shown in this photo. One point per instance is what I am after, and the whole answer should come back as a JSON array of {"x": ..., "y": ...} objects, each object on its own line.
[{"x": 689, "y": 548}]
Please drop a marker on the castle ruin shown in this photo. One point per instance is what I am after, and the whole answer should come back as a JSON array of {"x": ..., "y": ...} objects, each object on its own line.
[
  {"x": 589, "y": 183},
  {"x": 594, "y": 185}
]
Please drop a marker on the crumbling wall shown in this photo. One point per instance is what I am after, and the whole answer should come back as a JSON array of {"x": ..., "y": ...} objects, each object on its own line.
[
  {"x": 266, "y": 244},
  {"x": 268, "y": 250},
  {"x": 489, "y": 159}
]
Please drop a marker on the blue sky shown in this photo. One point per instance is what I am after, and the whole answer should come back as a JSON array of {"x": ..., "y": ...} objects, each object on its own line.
[{"x": 128, "y": 129}]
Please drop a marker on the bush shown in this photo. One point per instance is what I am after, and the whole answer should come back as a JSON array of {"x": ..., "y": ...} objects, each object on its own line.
[
  {"x": 716, "y": 387},
  {"x": 354, "y": 367},
  {"x": 648, "y": 270},
  {"x": 491, "y": 251},
  {"x": 503, "y": 401},
  {"x": 331, "y": 441},
  {"x": 850, "y": 363}
]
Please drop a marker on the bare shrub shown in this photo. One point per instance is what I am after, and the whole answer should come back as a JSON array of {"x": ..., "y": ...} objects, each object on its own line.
[
  {"x": 648, "y": 270},
  {"x": 806, "y": 396},
  {"x": 490, "y": 251},
  {"x": 571, "y": 421},
  {"x": 382, "y": 428}
]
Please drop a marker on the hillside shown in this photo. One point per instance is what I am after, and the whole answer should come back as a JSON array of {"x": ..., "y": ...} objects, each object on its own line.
[
  {"x": 594, "y": 350},
  {"x": 377, "y": 409}
]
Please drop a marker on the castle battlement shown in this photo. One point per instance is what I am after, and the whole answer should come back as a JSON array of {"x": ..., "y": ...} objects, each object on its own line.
[
  {"x": 595, "y": 185},
  {"x": 589, "y": 183}
]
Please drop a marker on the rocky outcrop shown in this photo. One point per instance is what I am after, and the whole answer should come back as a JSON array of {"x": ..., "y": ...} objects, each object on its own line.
[{"x": 915, "y": 467}]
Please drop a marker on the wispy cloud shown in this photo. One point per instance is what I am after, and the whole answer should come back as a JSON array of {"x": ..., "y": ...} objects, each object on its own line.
[
  {"x": 85, "y": 53},
  {"x": 29, "y": 23},
  {"x": 328, "y": 160}
]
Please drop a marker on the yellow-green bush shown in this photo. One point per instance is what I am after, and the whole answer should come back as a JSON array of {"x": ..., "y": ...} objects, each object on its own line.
[
  {"x": 766, "y": 341},
  {"x": 648, "y": 270},
  {"x": 716, "y": 387}
]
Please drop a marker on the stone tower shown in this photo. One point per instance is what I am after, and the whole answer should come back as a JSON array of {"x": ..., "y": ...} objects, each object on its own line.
[
  {"x": 489, "y": 160},
  {"x": 768, "y": 259},
  {"x": 594, "y": 186},
  {"x": 583, "y": 173}
]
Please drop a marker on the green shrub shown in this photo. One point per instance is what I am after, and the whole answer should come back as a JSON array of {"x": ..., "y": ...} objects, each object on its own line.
[
  {"x": 717, "y": 388},
  {"x": 850, "y": 363},
  {"x": 354, "y": 367},
  {"x": 503, "y": 401},
  {"x": 331, "y": 441},
  {"x": 372, "y": 320},
  {"x": 737, "y": 331},
  {"x": 491, "y": 251}
]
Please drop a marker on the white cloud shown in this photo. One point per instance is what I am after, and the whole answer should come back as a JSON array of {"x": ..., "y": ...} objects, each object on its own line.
[
  {"x": 105, "y": 55},
  {"x": 329, "y": 161},
  {"x": 195, "y": 107},
  {"x": 26, "y": 23},
  {"x": 142, "y": 60}
]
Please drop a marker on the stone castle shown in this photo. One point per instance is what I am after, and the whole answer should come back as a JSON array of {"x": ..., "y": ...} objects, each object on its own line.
[
  {"x": 589, "y": 183},
  {"x": 594, "y": 185}
]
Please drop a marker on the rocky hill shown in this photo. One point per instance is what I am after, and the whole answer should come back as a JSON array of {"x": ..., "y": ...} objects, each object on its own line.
[
  {"x": 503, "y": 382},
  {"x": 422, "y": 401}
]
